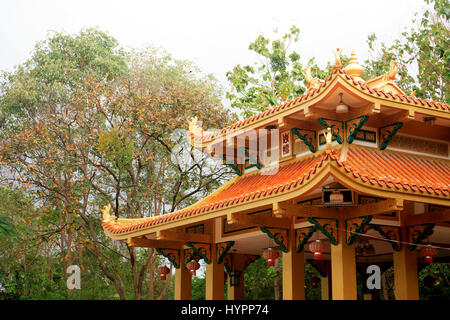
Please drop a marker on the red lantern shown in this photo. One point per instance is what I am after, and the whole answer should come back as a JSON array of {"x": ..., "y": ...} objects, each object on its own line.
[
  {"x": 193, "y": 266},
  {"x": 317, "y": 248},
  {"x": 314, "y": 281},
  {"x": 162, "y": 272},
  {"x": 271, "y": 255},
  {"x": 428, "y": 252}
]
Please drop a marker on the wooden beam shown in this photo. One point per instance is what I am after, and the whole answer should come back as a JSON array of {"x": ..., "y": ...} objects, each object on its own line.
[
  {"x": 375, "y": 208},
  {"x": 309, "y": 211},
  {"x": 429, "y": 217},
  {"x": 183, "y": 236},
  {"x": 260, "y": 221},
  {"x": 151, "y": 243},
  {"x": 289, "y": 123}
]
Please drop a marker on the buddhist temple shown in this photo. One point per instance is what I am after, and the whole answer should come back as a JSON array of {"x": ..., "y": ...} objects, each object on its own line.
[{"x": 350, "y": 174}]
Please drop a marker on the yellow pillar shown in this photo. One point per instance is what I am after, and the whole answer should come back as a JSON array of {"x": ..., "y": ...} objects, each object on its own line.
[
  {"x": 237, "y": 292},
  {"x": 405, "y": 275},
  {"x": 324, "y": 288},
  {"x": 214, "y": 277},
  {"x": 183, "y": 281},
  {"x": 293, "y": 271},
  {"x": 343, "y": 268}
]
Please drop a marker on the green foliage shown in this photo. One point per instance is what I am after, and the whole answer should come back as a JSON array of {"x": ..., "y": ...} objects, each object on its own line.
[
  {"x": 57, "y": 68},
  {"x": 434, "y": 282},
  {"x": 425, "y": 48},
  {"x": 259, "y": 281},
  {"x": 116, "y": 148},
  {"x": 198, "y": 288},
  {"x": 276, "y": 77}
]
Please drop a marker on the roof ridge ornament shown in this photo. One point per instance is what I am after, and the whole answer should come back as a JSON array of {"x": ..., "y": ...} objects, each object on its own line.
[
  {"x": 337, "y": 56},
  {"x": 195, "y": 126},
  {"x": 311, "y": 82},
  {"x": 106, "y": 213},
  {"x": 391, "y": 74},
  {"x": 354, "y": 69}
]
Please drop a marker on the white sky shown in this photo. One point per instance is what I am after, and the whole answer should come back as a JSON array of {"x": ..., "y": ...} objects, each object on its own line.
[{"x": 214, "y": 34}]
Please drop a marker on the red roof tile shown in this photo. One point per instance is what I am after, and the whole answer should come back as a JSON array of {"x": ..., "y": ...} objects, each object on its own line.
[
  {"x": 313, "y": 92},
  {"x": 404, "y": 173}
]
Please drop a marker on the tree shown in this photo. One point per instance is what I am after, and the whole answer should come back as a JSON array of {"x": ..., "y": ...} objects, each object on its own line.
[
  {"x": 276, "y": 77},
  {"x": 108, "y": 142},
  {"x": 425, "y": 48}
]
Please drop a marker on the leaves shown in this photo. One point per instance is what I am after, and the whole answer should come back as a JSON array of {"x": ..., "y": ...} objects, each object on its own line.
[{"x": 424, "y": 48}]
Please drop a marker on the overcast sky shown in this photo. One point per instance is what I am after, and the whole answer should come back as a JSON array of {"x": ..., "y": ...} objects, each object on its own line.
[{"x": 214, "y": 34}]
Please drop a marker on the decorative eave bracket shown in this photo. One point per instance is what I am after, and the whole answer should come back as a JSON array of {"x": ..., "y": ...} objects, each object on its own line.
[
  {"x": 387, "y": 133},
  {"x": 416, "y": 234},
  {"x": 307, "y": 136},
  {"x": 280, "y": 236},
  {"x": 302, "y": 236},
  {"x": 328, "y": 227}
]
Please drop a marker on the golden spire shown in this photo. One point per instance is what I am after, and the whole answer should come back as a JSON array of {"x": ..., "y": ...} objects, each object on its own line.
[{"x": 353, "y": 68}]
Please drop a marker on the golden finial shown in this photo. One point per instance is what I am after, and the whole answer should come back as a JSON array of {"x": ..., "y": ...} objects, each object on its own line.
[
  {"x": 106, "y": 213},
  {"x": 353, "y": 68},
  {"x": 311, "y": 82},
  {"x": 195, "y": 126},
  {"x": 390, "y": 75},
  {"x": 329, "y": 138},
  {"x": 337, "y": 55}
]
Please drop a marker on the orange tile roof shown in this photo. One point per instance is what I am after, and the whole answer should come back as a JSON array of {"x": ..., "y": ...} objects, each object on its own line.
[
  {"x": 314, "y": 92},
  {"x": 399, "y": 172}
]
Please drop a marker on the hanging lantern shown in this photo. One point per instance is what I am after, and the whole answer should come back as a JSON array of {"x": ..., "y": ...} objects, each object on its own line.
[
  {"x": 314, "y": 281},
  {"x": 341, "y": 107},
  {"x": 193, "y": 266},
  {"x": 163, "y": 271},
  {"x": 270, "y": 254},
  {"x": 317, "y": 248},
  {"x": 428, "y": 252}
]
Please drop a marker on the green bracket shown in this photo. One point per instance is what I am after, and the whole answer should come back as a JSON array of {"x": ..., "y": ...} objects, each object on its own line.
[
  {"x": 307, "y": 140},
  {"x": 354, "y": 127},
  {"x": 386, "y": 133},
  {"x": 173, "y": 255},
  {"x": 232, "y": 166},
  {"x": 222, "y": 248},
  {"x": 356, "y": 227},
  {"x": 203, "y": 250},
  {"x": 328, "y": 228},
  {"x": 280, "y": 236},
  {"x": 417, "y": 234},
  {"x": 392, "y": 234},
  {"x": 250, "y": 159},
  {"x": 302, "y": 236},
  {"x": 335, "y": 131}
]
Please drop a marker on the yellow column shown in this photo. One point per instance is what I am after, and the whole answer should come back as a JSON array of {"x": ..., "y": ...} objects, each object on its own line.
[
  {"x": 324, "y": 288},
  {"x": 293, "y": 271},
  {"x": 237, "y": 292},
  {"x": 183, "y": 281},
  {"x": 214, "y": 277},
  {"x": 214, "y": 272},
  {"x": 343, "y": 268},
  {"x": 405, "y": 275}
]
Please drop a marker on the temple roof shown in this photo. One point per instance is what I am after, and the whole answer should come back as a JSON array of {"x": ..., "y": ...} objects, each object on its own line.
[
  {"x": 380, "y": 173},
  {"x": 383, "y": 90}
]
